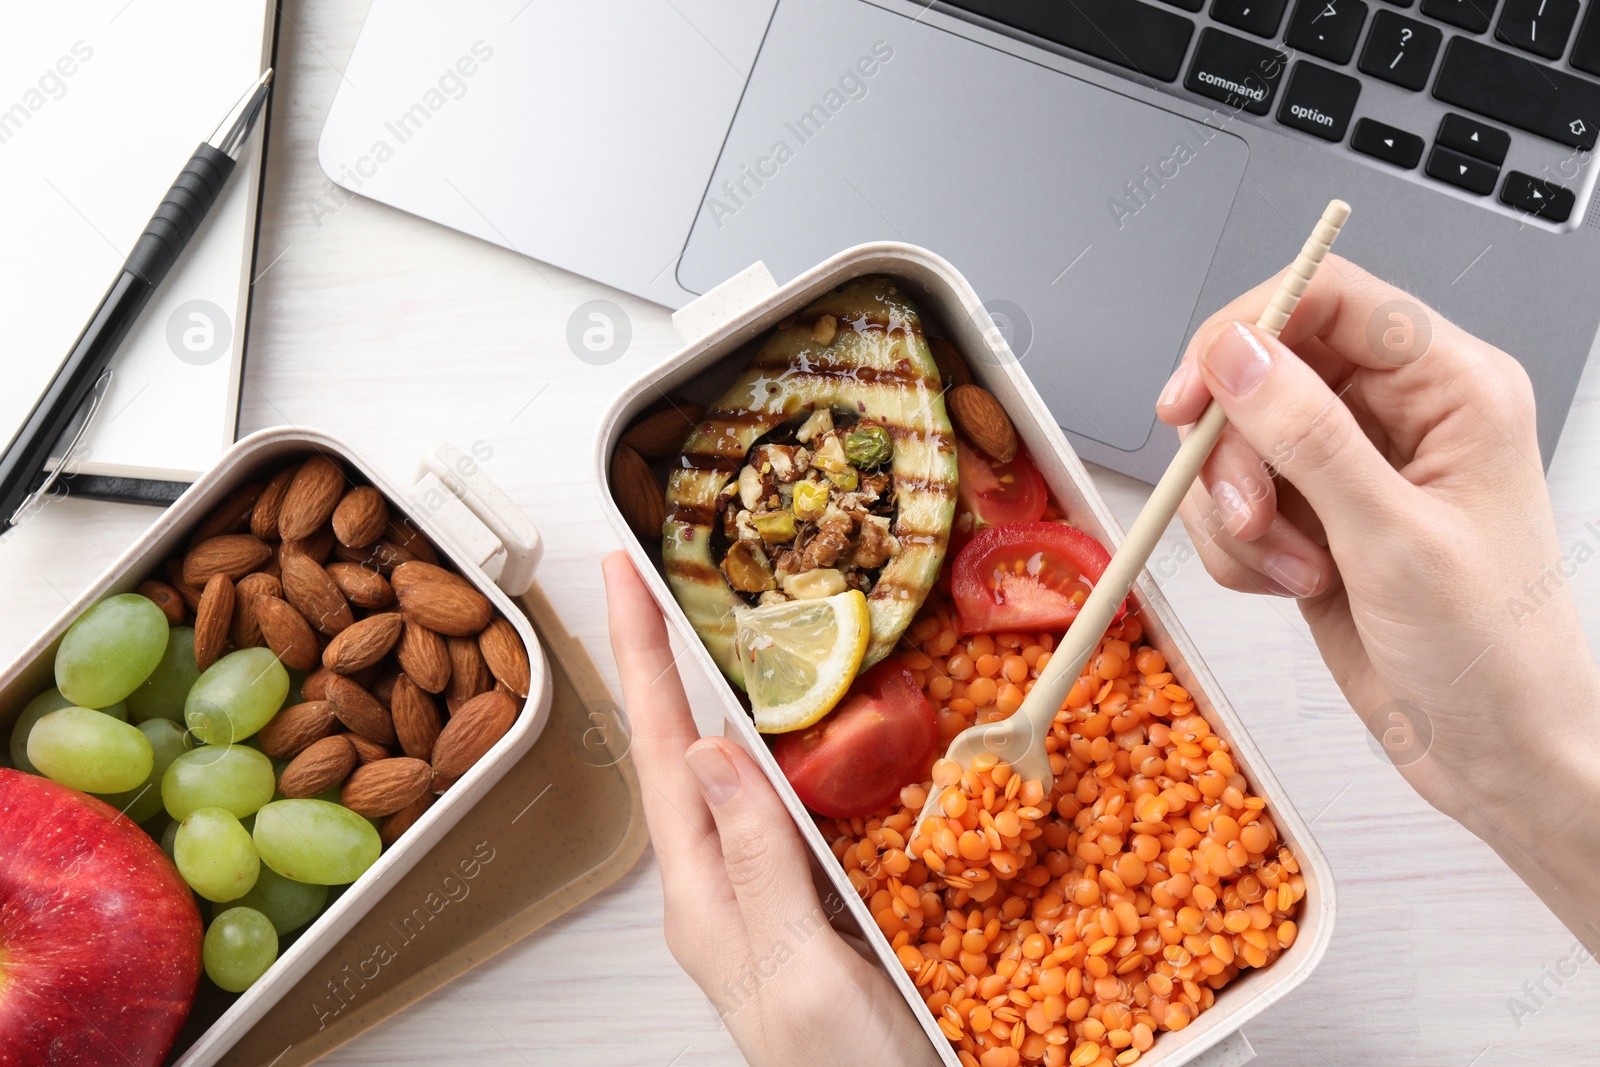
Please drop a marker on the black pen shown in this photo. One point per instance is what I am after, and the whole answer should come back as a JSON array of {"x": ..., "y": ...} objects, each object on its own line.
[{"x": 168, "y": 231}]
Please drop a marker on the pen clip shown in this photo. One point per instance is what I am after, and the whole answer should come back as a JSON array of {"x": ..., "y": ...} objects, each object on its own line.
[{"x": 92, "y": 405}]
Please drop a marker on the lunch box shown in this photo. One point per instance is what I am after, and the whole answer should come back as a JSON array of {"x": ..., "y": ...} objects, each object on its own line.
[
  {"x": 477, "y": 530},
  {"x": 718, "y": 328}
]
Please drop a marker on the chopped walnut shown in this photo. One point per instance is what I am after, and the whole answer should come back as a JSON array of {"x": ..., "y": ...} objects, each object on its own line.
[{"x": 875, "y": 545}]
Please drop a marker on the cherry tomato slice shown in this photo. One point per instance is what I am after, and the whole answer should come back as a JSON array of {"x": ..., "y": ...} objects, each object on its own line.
[
  {"x": 1025, "y": 576},
  {"x": 855, "y": 761},
  {"x": 990, "y": 493}
]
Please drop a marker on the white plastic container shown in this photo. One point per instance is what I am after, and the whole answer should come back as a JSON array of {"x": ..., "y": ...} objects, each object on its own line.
[
  {"x": 473, "y": 526},
  {"x": 716, "y": 327}
]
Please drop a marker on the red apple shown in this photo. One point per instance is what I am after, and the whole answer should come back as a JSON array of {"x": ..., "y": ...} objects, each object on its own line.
[{"x": 99, "y": 936}]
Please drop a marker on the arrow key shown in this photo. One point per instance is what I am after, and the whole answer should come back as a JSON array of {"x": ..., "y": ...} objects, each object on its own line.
[
  {"x": 1462, "y": 171},
  {"x": 1384, "y": 142},
  {"x": 1474, "y": 138},
  {"x": 1547, "y": 200}
]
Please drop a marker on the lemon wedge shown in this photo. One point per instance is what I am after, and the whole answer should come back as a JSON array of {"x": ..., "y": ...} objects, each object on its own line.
[{"x": 800, "y": 657}]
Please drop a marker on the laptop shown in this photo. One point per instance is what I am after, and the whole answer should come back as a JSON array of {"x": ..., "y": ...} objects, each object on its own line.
[{"x": 1107, "y": 173}]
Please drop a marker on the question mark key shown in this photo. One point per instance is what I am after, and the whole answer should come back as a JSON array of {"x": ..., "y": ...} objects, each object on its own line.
[{"x": 1400, "y": 50}]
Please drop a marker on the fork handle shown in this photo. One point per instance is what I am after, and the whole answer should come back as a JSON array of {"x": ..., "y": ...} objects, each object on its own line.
[{"x": 1094, "y": 618}]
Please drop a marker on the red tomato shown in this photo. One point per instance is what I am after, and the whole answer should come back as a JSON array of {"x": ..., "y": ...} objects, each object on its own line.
[
  {"x": 990, "y": 493},
  {"x": 856, "y": 759},
  {"x": 1026, "y": 576}
]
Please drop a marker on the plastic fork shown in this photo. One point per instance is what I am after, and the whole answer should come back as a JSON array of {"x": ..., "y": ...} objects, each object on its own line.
[{"x": 1020, "y": 739}]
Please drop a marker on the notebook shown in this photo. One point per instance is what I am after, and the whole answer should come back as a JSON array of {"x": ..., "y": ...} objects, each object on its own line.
[{"x": 101, "y": 104}]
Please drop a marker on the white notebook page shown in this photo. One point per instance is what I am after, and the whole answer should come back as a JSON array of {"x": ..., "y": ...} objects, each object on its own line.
[{"x": 101, "y": 104}]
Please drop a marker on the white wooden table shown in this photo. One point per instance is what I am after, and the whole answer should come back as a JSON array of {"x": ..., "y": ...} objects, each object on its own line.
[{"x": 391, "y": 332}]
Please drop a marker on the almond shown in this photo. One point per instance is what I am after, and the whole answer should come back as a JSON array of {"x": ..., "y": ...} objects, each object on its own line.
[
  {"x": 365, "y": 678},
  {"x": 365, "y": 587},
  {"x": 246, "y": 630},
  {"x": 441, "y": 601},
  {"x": 506, "y": 658},
  {"x": 235, "y": 555},
  {"x": 424, "y": 657},
  {"x": 230, "y": 516},
  {"x": 471, "y": 732},
  {"x": 362, "y": 644},
  {"x": 188, "y": 591},
  {"x": 384, "y": 786},
  {"x": 287, "y": 633},
  {"x": 294, "y": 728},
  {"x": 315, "y": 595},
  {"x": 317, "y": 548},
  {"x": 367, "y": 750},
  {"x": 638, "y": 494},
  {"x": 359, "y": 710},
  {"x": 662, "y": 434},
  {"x": 323, "y": 765},
  {"x": 442, "y": 782},
  {"x": 416, "y": 718},
  {"x": 315, "y": 687},
  {"x": 313, "y": 494},
  {"x": 952, "y": 368},
  {"x": 383, "y": 557},
  {"x": 469, "y": 674},
  {"x": 404, "y": 535},
  {"x": 382, "y": 684},
  {"x": 168, "y": 599},
  {"x": 212, "y": 620},
  {"x": 402, "y": 820},
  {"x": 979, "y": 415},
  {"x": 361, "y": 517},
  {"x": 264, "y": 516}
]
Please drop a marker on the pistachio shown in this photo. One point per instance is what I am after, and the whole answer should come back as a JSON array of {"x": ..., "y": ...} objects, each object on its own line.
[
  {"x": 845, "y": 479},
  {"x": 747, "y": 568},
  {"x": 775, "y": 527},
  {"x": 810, "y": 500},
  {"x": 868, "y": 445}
]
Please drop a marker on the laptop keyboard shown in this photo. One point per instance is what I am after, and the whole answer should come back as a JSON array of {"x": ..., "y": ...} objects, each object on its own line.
[{"x": 1498, "y": 64}]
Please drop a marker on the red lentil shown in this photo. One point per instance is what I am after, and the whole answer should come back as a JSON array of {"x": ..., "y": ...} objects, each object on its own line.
[{"x": 1072, "y": 927}]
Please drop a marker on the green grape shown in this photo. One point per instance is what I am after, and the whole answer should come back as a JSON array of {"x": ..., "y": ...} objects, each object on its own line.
[
  {"x": 110, "y": 650},
  {"x": 118, "y": 711},
  {"x": 315, "y": 841},
  {"x": 168, "y": 741},
  {"x": 163, "y": 694},
  {"x": 236, "y": 696},
  {"x": 36, "y": 709},
  {"x": 288, "y": 903},
  {"x": 234, "y": 777},
  {"x": 169, "y": 839},
  {"x": 89, "y": 750},
  {"x": 215, "y": 855},
  {"x": 239, "y": 948}
]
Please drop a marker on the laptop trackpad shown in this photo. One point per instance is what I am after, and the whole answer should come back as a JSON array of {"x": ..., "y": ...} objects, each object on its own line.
[{"x": 1087, "y": 217}]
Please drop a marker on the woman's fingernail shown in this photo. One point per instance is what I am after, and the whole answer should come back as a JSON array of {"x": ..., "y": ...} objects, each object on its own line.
[
  {"x": 1231, "y": 506},
  {"x": 1237, "y": 359},
  {"x": 1175, "y": 385},
  {"x": 1293, "y": 573},
  {"x": 717, "y": 778}
]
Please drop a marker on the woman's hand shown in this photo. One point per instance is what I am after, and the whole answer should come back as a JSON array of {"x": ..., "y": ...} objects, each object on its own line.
[
  {"x": 1382, "y": 466},
  {"x": 742, "y": 914}
]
